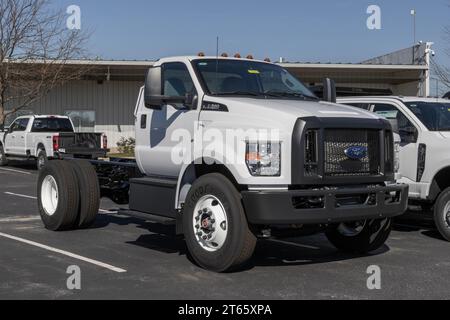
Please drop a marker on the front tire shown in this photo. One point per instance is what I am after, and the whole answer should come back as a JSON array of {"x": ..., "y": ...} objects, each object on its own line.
[
  {"x": 442, "y": 214},
  {"x": 3, "y": 159},
  {"x": 215, "y": 225},
  {"x": 360, "y": 237},
  {"x": 58, "y": 196}
]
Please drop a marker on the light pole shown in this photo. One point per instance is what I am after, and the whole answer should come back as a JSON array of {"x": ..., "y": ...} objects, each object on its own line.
[{"x": 413, "y": 13}]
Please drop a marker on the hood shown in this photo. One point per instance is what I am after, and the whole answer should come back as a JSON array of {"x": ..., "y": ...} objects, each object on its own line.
[{"x": 293, "y": 108}]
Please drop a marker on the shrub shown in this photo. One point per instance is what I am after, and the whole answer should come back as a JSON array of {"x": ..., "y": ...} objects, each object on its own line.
[{"x": 126, "y": 145}]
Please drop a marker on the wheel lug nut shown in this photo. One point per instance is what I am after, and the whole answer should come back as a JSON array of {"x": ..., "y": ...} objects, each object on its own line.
[
  {"x": 205, "y": 238},
  {"x": 199, "y": 234},
  {"x": 197, "y": 227},
  {"x": 213, "y": 221}
]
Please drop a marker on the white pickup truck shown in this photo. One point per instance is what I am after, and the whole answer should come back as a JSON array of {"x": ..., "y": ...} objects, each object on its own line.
[
  {"x": 424, "y": 127},
  {"x": 234, "y": 149},
  {"x": 48, "y": 137}
]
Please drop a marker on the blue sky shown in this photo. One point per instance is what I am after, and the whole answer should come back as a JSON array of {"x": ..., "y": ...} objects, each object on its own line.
[{"x": 315, "y": 31}]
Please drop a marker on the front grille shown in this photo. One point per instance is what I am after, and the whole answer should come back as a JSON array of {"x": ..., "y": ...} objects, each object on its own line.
[{"x": 338, "y": 163}]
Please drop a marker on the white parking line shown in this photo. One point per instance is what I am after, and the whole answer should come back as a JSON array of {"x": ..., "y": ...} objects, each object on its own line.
[
  {"x": 16, "y": 171},
  {"x": 65, "y": 253},
  {"x": 20, "y": 219},
  {"x": 20, "y": 195}
]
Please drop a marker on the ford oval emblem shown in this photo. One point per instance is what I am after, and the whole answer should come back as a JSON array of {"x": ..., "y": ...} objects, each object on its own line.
[{"x": 356, "y": 152}]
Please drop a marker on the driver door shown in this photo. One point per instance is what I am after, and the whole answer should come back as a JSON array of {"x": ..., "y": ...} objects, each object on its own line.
[
  {"x": 11, "y": 139},
  {"x": 162, "y": 129},
  {"x": 408, "y": 132}
]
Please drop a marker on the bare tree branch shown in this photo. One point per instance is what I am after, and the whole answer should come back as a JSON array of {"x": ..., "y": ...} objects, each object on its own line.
[{"x": 36, "y": 49}]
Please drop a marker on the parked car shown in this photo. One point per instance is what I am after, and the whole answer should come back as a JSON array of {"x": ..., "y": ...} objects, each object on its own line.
[
  {"x": 424, "y": 128},
  {"x": 42, "y": 138},
  {"x": 331, "y": 168}
]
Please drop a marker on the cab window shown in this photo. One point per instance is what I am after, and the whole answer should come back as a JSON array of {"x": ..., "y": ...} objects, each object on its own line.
[
  {"x": 405, "y": 127},
  {"x": 176, "y": 80},
  {"x": 20, "y": 125}
]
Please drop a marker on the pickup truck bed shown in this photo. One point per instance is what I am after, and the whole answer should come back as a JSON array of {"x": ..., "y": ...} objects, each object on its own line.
[{"x": 48, "y": 137}]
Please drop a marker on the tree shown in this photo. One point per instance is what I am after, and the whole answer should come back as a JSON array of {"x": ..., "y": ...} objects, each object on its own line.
[
  {"x": 36, "y": 48},
  {"x": 441, "y": 71}
]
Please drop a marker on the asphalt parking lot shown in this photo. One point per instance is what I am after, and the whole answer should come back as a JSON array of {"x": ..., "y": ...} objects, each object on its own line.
[{"x": 126, "y": 258}]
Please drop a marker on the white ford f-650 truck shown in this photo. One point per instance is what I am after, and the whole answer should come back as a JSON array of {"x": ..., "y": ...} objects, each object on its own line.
[
  {"x": 424, "y": 128},
  {"x": 41, "y": 138},
  {"x": 233, "y": 149}
]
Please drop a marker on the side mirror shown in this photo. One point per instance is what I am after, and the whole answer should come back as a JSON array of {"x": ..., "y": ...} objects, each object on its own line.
[
  {"x": 394, "y": 125},
  {"x": 409, "y": 134},
  {"x": 153, "y": 92},
  {"x": 329, "y": 90}
]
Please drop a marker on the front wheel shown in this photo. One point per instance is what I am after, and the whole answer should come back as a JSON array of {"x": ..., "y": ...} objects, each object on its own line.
[
  {"x": 442, "y": 214},
  {"x": 3, "y": 159},
  {"x": 215, "y": 225},
  {"x": 360, "y": 237}
]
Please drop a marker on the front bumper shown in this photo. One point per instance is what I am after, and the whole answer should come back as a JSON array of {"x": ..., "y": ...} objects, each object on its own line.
[{"x": 330, "y": 205}]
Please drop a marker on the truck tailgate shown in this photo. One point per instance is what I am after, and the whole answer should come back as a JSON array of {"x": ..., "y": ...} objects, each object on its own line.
[{"x": 81, "y": 144}]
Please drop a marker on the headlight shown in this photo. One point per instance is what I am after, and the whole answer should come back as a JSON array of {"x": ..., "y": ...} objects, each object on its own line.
[
  {"x": 397, "y": 157},
  {"x": 264, "y": 159}
]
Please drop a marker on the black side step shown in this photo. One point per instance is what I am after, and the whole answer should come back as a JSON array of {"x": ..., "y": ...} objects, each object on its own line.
[
  {"x": 146, "y": 217},
  {"x": 153, "y": 195}
]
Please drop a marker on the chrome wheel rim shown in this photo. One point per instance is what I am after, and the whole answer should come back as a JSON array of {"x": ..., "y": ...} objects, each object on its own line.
[
  {"x": 49, "y": 195},
  {"x": 351, "y": 229},
  {"x": 210, "y": 223}
]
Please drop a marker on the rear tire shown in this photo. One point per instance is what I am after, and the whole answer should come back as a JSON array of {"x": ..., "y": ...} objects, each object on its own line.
[
  {"x": 42, "y": 159},
  {"x": 368, "y": 237},
  {"x": 89, "y": 192},
  {"x": 232, "y": 243},
  {"x": 58, "y": 196},
  {"x": 442, "y": 214},
  {"x": 3, "y": 159}
]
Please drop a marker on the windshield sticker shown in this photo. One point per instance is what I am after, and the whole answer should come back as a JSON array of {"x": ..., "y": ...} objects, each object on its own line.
[{"x": 253, "y": 71}]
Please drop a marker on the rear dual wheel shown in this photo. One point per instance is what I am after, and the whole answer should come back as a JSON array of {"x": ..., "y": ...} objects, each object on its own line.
[{"x": 68, "y": 195}]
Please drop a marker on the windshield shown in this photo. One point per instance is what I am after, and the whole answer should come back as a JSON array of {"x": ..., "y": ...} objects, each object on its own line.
[
  {"x": 52, "y": 125},
  {"x": 434, "y": 115},
  {"x": 249, "y": 78}
]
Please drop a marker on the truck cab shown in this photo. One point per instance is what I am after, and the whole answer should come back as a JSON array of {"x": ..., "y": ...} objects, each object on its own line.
[{"x": 424, "y": 128}]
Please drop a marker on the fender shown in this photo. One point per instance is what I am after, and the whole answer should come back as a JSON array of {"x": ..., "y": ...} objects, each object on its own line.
[{"x": 188, "y": 176}]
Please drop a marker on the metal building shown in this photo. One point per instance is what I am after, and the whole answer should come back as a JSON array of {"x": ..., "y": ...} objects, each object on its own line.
[{"x": 105, "y": 99}]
